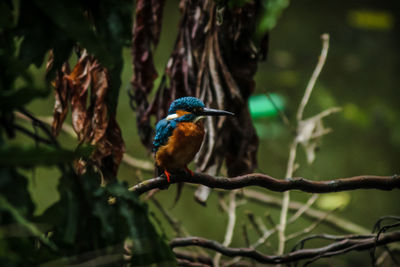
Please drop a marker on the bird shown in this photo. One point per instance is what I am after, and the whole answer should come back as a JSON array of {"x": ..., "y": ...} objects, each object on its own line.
[{"x": 179, "y": 136}]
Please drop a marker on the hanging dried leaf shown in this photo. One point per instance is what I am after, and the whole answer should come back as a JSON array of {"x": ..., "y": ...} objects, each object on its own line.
[
  {"x": 109, "y": 150},
  {"x": 91, "y": 121},
  {"x": 146, "y": 33},
  {"x": 100, "y": 111},
  {"x": 215, "y": 60},
  {"x": 61, "y": 95},
  {"x": 79, "y": 82}
]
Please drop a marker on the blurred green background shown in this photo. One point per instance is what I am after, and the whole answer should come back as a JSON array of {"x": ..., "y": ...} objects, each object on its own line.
[{"x": 361, "y": 76}]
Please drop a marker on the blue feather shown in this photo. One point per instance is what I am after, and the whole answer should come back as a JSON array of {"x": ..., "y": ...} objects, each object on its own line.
[
  {"x": 185, "y": 103},
  {"x": 165, "y": 128}
]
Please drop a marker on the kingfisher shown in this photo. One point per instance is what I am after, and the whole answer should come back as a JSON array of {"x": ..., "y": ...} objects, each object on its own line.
[{"x": 179, "y": 136}]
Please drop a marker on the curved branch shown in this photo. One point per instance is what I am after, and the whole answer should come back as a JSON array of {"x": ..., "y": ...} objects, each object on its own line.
[
  {"x": 339, "y": 247},
  {"x": 273, "y": 184}
]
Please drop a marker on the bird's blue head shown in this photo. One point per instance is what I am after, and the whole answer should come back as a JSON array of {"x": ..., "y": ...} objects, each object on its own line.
[
  {"x": 185, "y": 109},
  {"x": 195, "y": 107},
  {"x": 189, "y": 104}
]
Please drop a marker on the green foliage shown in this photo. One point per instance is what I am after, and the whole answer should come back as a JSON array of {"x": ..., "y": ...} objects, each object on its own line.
[
  {"x": 271, "y": 11},
  {"x": 98, "y": 220},
  {"x": 31, "y": 156},
  {"x": 84, "y": 224},
  {"x": 18, "y": 98},
  {"x": 16, "y": 212}
]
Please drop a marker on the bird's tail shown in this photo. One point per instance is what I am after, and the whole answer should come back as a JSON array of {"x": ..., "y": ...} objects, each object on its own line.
[
  {"x": 178, "y": 194},
  {"x": 158, "y": 171}
]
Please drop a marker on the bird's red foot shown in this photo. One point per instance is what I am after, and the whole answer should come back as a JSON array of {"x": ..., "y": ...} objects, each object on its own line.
[
  {"x": 189, "y": 171},
  {"x": 168, "y": 176}
]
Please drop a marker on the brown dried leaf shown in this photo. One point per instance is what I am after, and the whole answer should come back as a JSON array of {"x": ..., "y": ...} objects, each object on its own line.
[
  {"x": 230, "y": 81},
  {"x": 61, "y": 95},
  {"x": 99, "y": 90},
  {"x": 109, "y": 150},
  {"x": 157, "y": 11},
  {"x": 146, "y": 33},
  {"x": 91, "y": 121},
  {"x": 79, "y": 81}
]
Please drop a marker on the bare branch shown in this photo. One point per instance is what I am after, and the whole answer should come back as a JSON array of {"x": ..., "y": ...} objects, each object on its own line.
[
  {"x": 273, "y": 184},
  {"x": 187, "y": 258},
  {"x": 138, "y": 163},
  {"x": 332, "y": 220},
  {"x": 336, "y": 248},
  {"x": 175, "y": 224},
  {"x": 34, "y": 136},
  {"x": 314, "y": 77},
  {"x": 309, "y": 228},
  {"x": 286, "y": 197},
  {"x": 188, "y": 263},
  {"x": 230, "y": 226},
  {"x": 303, "y": 209},
  {"x": 26, "y": 115},
  {"x": 300, "y": 133}
]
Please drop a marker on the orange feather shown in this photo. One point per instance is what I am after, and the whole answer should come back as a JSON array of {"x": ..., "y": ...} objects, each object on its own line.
[{"x": 181, "y": 146}]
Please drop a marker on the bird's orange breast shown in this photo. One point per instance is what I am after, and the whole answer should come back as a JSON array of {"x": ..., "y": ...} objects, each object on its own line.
[{"x": 181, "y": 147}]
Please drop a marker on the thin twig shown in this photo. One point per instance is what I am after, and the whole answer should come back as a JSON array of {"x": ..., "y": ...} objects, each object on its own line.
[
  {"x": 281, "y": 113},
  {"x": 250, "y": 216},
  {"x": 245, "y": 235},
  {"x": 293, "y": 147},
  {"x": 309, "y": 228},
  {"x": 26, "y": 115},
  {"x": 303, "y": 209},
  {"x": 136, "y": 163},
  {"x": 286, "y": 199},
  {"x": 230, "y": 226},
  {"x": 175, "y": 224},
  {"x": 270, "y": 220},
  {"x": 195, "y": 258},
  {"x": 314, "y": 77},
  {"x": 336, "y": 248},
  {"x": 332, "y": 220},
  {"x": 35, "y": 136}
]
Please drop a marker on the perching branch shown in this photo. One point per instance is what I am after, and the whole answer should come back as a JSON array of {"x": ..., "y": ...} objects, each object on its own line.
[
  {"x": 339, "y": 247},
  {"x": 274, "y": 184}
]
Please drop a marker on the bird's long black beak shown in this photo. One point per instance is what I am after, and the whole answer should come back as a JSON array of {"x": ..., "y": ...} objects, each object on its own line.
[{"x": 216, "y": 112}]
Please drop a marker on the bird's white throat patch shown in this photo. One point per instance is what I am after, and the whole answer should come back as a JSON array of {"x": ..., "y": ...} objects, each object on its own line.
[{"x": 172, "y": 116}]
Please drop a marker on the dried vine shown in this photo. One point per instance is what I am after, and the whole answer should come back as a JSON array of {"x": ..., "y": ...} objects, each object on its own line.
[
  {"x": 342, "y": 246},
  {"x": 274, "y": 184}
]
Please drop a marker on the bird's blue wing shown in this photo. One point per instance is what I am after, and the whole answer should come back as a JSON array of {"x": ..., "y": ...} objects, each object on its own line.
[{"x": 164, "y": 129}]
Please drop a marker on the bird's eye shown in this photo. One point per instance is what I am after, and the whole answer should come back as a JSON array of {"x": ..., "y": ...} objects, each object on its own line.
[{"x": 197, "y": 110}]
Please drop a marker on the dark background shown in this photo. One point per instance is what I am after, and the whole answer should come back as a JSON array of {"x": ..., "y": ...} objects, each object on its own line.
[{"x": 361, "y": 76}]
